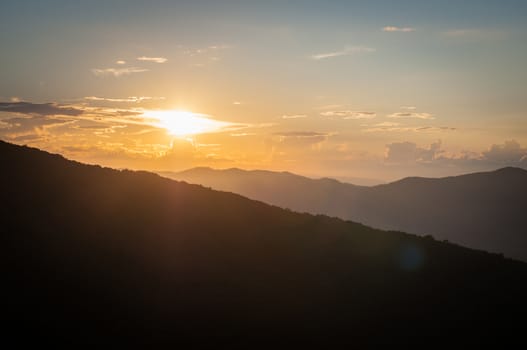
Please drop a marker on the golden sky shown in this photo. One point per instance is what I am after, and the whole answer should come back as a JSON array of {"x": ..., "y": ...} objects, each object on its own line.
[{"x": 369, "y": 89}]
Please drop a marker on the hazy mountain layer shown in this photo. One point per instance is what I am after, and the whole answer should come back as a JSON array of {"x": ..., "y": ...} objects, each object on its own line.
[{"x": 482, "y": 210}]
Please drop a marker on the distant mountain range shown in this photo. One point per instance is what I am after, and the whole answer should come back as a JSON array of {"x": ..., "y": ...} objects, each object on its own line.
[
  {"x": 91, "y": 255},
  {"x": 481, "y": 210}
]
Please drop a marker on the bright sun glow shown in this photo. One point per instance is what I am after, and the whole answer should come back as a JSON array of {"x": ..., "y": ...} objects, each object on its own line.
[{"x": 184, "y": 123}]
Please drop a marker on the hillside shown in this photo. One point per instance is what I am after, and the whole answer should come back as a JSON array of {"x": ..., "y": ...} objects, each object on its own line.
[
  {"x": 481, "y": 210},
  {"x": 91, "y": 254}
]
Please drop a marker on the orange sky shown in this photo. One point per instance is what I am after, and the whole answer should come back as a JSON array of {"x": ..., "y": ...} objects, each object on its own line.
[{"x": 369, "y": 90}]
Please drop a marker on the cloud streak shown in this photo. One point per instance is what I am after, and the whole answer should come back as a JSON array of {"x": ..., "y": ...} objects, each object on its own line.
[
  {"x": 415, "y": 115},
  {"x": 152, "y": 59},
  {"x": 300, "y": 134},
  {"x": 130, "y": 99},
  {"x": 40, "y": 109},
  {"x": 204, "y": 50},
  {"x": 386, "y": 127},
  {"x": 294, "y": 116},
  {"x": 398, "y": 29},
  {"x": 297, "y": 140},
  {"x": 349, "y": 115},
  {"x": 347, "y": 51},
  {"x": 474, "y": 34},
  {"x": 117, "y": 72}
]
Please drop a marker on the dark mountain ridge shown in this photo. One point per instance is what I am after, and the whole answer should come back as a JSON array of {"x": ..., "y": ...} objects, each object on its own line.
[
  {"x": 481, "y": 210},
  {"x": 92, "y": 255}
]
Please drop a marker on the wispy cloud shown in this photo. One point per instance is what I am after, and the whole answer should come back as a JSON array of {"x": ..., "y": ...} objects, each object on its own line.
[
  {"x": 411, "y": 115},
  {"x": 204, "y": 56},
  {"x": 242, "y": 134},
  {"x": 300, "y": 134},
  {"x": 152, "y": 59},
  {"x": 396, "y": 127},
  {"x": 117, "y": 72},
  {"x": 294, "y": 116},
  {"x": 204, "y": 50},
  {"x": 4, "y": 125},
  {"x": 393, "y": 127},
  {"x": 347, "y": 51},
  {"x": 120, "y": 62},
  {"x": 347, "y": 114},
  {"x": 474, "y": 34},
  {"x": 386, "y": 124},
  {"x": 398, "y": 29},
  {"x": 130, "y": 99},
  {"x": 40, "y": 109},
  {"x": 301, "y": 139}
]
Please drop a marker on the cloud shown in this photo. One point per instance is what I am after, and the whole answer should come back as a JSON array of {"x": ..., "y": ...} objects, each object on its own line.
[
  {"x": 204, "y": 56},
  {"x": 34, "y": 128},
  {"x": 297, "y": 141},
  {"x": 474, "y": 34},
  {"x": 5, "y": 125},
  {"x": 152, "y": 59},
  {"x": 241, "y": 134},
  {"x": 384, "y": 125},
  {"x": 120, "y": 62},
  {"x": 393, "y": 127},
  {"x": 130, "y": 99},
  {"x": 204, "y": 50},
  {"x": 411, "y": 115},
  {"x": 347, "y": 114},
  {"x": 117, "y": 72},
  {"x": 398, "y": 29},
  {"x": 35, "y": 121},
  {"x": 409, "y": 152},
  {"x": 110, "y": 136},
  {"x": 409, "y": 108},
  {"x": 347, "y": 51},
  {"x": 435, "y": 128},
  {"x": 219, "y": 47},
  {"x": 294, "y": 116},
  {"x": 300, "y": 134},
  {"x": 508, "y": 152},
  {"x": 41, "y": 109},
  {"x": 457, "y": 33}
]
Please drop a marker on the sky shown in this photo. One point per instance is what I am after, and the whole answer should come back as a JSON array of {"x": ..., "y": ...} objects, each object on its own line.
[{"x": 347, "y": 89}]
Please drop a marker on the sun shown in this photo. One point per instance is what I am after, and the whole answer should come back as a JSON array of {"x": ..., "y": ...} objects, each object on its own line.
[{"x": 184, "y": 123}]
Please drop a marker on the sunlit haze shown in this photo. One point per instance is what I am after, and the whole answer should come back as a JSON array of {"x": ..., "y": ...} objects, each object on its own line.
[
  {"x": 348, "y": 89},
  {"x": 184, "y": 123}
]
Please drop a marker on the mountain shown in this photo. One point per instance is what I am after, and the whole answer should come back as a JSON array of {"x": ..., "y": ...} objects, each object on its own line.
[
  {"x": 481, "y": 210},
  {"x": 91, "y": 255}
]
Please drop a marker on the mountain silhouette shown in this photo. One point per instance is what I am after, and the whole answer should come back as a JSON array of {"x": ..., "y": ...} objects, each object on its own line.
[
  {"x": 481, "y": 210},
  {"x": 92, "y": 255}
]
